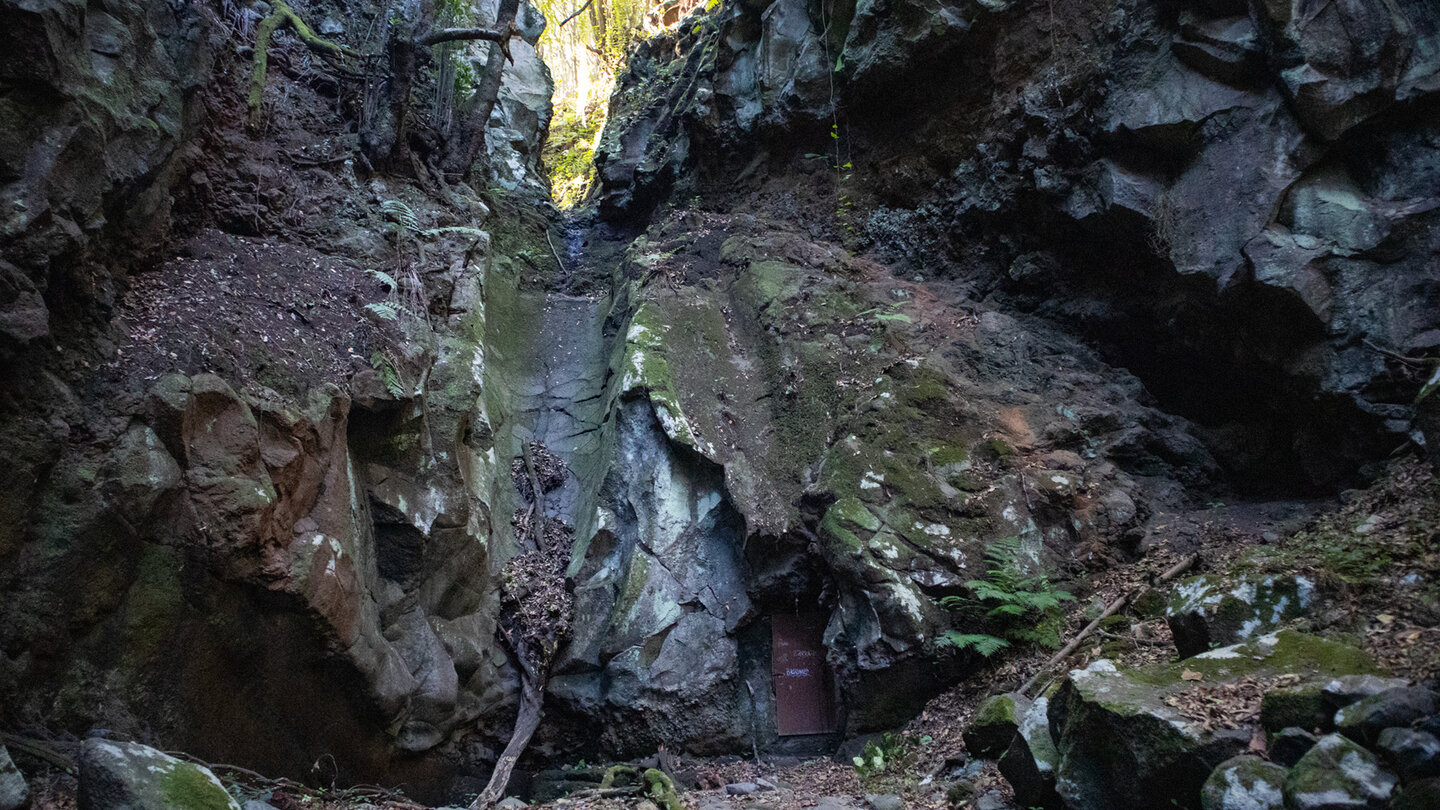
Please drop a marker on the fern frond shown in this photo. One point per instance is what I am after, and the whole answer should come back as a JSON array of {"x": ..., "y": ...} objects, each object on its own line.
[
  {"x": 986, "y": 645},
  {"x": 460, "y": 229},
  {"x": 385, "y": 310},
  {"x": 389, "y": 376},
  {"x": 401, "y": 214},
  {"x": 384, "y": 278}
]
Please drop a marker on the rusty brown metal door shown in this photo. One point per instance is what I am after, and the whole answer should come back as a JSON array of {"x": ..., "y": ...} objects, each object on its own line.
[{"x": 804, "y": 702}]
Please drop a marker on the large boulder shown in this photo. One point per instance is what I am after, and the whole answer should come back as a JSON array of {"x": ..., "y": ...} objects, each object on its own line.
[
  {"x": 1206, "y": 611},
  {"x": 1246, "y": 782},
  {"x": 1337, "y": 774},
  {"x": 1030, "y": 762},
  {"x": 1412, "y": 753},
  {"x": 996, "y": 720},
  {"x": 1313, "y": 704},
  {"x": 1401, "y": 706},
  {"x": 130, "y": 776},
  {"x": 1126, "y": 738}
]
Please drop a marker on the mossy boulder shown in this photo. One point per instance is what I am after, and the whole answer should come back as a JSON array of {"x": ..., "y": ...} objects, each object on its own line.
[
  {"x": 996, "y": 720},
  {"x": 1313, "y": 704},
  {"x": 1029, "y": 764},
  {"x": 1363, "y": 721},
  {"x": 1124, "y": 742},
  {"x": 1337, "y": 774},
  {"x": 1245, "y": 782},
  {"x": 1207, "y": 611},
  {"x": 130, "y": 776}
]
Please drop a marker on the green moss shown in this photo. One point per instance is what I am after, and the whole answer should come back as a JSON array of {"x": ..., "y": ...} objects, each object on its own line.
[
  {"x": 998, "y": 449},
  {"x": 1293, "y": 652},
  {"x": 1301, "y": 706},
  {"x": 953, "y": 452},
  {"x": 662, "y": 790},
  {"x": 154, "y": 604},
  {"x": 188, "y": 787},
  {"x": 634, "y": 586},
  {"x": 996, "y": 710},
  {"x": 928, "y": 388},
  {"x": 847, "y": 516}
]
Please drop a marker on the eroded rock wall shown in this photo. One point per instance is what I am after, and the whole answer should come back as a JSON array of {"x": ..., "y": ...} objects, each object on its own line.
[{"x": 1236, "y": 200}]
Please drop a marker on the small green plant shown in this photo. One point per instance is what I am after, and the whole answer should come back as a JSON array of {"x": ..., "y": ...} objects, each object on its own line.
[
  {"x": 389, "y": 375},
  {"x": 889, "y": 751},
  {"x": 1012, "y": 607}
]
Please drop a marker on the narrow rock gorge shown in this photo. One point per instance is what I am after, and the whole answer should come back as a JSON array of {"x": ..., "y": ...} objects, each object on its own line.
[{"x": 892, "y": 347}]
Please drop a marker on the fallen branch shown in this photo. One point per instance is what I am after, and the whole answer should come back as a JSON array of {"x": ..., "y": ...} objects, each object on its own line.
[
  {"x": 1154, "y": 642},
  {"x": 554, "y": 252},
  {"x": 1114, "y": 608},
  {"x": 40, "y": 751}
]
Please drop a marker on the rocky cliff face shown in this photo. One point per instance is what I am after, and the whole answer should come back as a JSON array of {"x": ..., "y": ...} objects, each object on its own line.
[
  {"x": 895, "y": 282},
  {"x": 1235, "y": 200}
]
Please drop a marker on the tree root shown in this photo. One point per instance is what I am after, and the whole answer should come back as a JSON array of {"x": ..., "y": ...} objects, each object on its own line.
[
  {"x": 282, "y": 14},
  {"x": 662, "y": 790}
]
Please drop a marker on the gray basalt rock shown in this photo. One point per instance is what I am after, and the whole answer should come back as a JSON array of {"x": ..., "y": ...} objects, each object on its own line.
[
  {"x": 1337, "y": 774},
  {"x": 1411, "y": 753},
  {"x": 1364, "y": 720},
  {"x": 1122, "y": 744},
  {"x": 130, "y": 776},
  {"x": 1245, "y": 782},
  {"x": 1030, "y": 763},
  {"x": 1206, "y": 611}
]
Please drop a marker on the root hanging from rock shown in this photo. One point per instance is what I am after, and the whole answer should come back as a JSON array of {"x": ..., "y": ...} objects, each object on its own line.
[
  {"x": 537, "y": 606},
  {"x": 281, "y": 14}
]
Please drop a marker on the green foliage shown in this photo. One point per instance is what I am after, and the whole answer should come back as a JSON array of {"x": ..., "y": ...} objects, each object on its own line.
[
  {"x": 569, "y": 155},
  {"x": 888, "y": 314},
  {"x": 385, "y": 310},
  {"x": 1431, "y": 385},
  {"x": 1013, "y": 607},
  {"x": 384, "y": 278},
  {"x": 986, "y": 645},
  {"x": 389, "y": 375},
  {"x": 400, "y": 214},
  {"x": 885, "y": 757}
]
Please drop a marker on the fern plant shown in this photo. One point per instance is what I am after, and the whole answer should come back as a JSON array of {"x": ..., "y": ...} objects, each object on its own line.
[{"x": 1011, "y": 606}]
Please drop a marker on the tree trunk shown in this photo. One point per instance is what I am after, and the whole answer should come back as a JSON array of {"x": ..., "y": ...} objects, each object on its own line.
[
  {"x": 467, "y": 143},
  {"x": 528, "y": 719}
]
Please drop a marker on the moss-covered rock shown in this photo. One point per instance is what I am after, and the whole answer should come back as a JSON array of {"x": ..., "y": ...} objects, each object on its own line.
[
  {"x": 1313, "y": 704},
  {"x": 1337, "y": 774},
  {"x": 1030, "y": 762},
  {"x": 1246, "y": 782},
  {"x": 1124, "y": 742},
  {"x": 130, "y": 775},
  {"x": 1207, "y": 611},
  {"x": 994, "y": 725},
  {"x": 1363, "y": 720}
]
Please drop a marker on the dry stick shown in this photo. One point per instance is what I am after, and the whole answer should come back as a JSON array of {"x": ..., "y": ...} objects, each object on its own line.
[
  {"x": 554, "y": 252},
  {"x": 1114, "y": 607}
]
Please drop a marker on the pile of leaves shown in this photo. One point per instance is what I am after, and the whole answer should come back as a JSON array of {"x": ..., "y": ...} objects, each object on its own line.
[{"x": 1226, "y": 705}]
